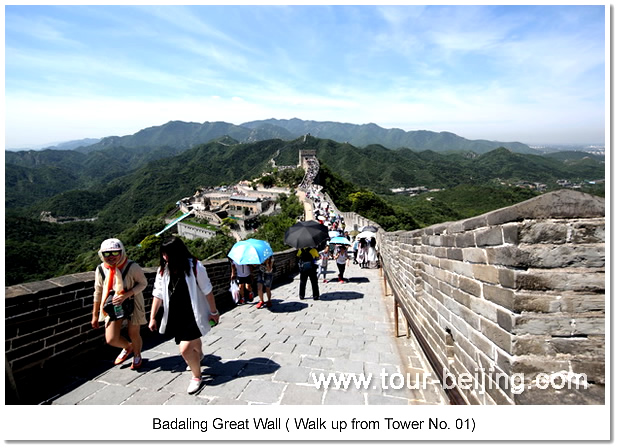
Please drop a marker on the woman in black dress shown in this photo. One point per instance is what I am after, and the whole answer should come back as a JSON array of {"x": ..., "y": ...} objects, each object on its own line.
[{"x": 183, "y": 288}]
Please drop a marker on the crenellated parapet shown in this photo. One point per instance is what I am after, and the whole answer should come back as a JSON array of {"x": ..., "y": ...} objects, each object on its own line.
[
  {"x": 48, "y": 322},
  {"x": 513, "y": 300}
]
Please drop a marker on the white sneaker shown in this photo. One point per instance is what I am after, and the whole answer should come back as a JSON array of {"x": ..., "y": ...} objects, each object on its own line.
[{"x": 194, "y": 385}]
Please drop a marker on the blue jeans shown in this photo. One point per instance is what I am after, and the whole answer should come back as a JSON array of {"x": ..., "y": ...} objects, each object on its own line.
[{"x": 322, "y": 271}]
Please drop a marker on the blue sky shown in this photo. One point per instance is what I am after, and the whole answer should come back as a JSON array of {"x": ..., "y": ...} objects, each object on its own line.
[{"x": 534, "y": 74}]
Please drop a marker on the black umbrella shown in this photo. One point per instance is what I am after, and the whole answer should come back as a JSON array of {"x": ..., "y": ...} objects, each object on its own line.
[
  {"x": 306, "y": 234},
  {"x": 369, "y": 229}
]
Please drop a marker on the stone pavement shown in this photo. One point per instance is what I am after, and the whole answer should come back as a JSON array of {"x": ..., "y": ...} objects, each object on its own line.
[{"x": 268, "y": 356}]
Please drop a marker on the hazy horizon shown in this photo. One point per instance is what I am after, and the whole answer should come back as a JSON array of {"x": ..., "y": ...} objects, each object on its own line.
[
  {"x": 40, "y": 146},
  {"x": 533, "y": 74}
]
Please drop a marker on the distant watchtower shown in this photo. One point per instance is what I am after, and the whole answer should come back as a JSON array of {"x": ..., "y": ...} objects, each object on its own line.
[{"x": 304, "y": 155}]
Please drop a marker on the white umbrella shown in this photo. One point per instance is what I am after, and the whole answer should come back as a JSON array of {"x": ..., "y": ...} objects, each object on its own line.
[{"x": 365, "y": 234}]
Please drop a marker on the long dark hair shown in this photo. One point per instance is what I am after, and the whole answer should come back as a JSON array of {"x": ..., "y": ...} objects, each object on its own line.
[{"x": 178, "y": 256}]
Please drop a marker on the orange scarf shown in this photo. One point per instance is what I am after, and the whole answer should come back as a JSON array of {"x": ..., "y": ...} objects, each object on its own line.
[{"x": 114, "y": 281}]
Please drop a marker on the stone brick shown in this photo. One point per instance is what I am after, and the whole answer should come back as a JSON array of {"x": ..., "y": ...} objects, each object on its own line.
[
  {"x": 484, "y": 308},
  {"x": 475, "y": 223},
  {"x": 500, "y": 337},
  {"x": 550, "y": 256},
  {"x": 544, "y": 345},
  {"x": 594, "y": 369},
  {"x": 533, "y": 345},
  {"x": 576, "y": 302},
  {"x": 448, "y": 240},
  {"x": 465, "y": 240},
  {"x": 470, "y": 286},
  {"x": 544, "y": 232},
  {"x": 591, "y": 346},
  {"x": 460, "y": 325},
  {"x": 536, "y": 302},
  {"x": 482, "y": 344},
  {"x": 510, "y": 233},
  {"x": 486, "y": 273},
  {"x": 593, "y": 395},
  {"x": 500, "y": 296},
  {"x": 561, "y": 280},
  {"x": 560, "y": 324},
  {"x": 506, "y": 278},
  {"x": 474, "y": 255},
  {"x": 454, "y": 254},
  {"x": 489, "y": 237},
  {"x": 505, "y": 319},
  {"x": 511, "y": 256},
  {"x": 462, "y": 268},
  {"x": 588, "y": 232},
  {"x": 530, "y": 366},
  {"x": 464, "y": 298}
]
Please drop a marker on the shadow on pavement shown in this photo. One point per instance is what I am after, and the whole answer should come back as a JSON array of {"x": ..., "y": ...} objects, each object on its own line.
[
  {"x": 341, "y": 295},
  {"x": 358, "y": 280},
  {"x": 284, "y": 306}
]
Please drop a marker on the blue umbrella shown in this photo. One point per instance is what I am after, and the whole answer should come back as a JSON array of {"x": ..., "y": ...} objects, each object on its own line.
[
  {"x": 340, "y": 240},
  {"x": 250, "y": 251}
]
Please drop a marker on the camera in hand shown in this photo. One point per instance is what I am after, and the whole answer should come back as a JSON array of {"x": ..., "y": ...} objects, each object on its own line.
[{"x": 120, "y": 311}]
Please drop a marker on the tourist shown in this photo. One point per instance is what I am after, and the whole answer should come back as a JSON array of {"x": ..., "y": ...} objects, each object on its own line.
[
  {"x": 121, "y": 279},
  {"x": 265, "y": 281},
  {"x": 341, "y": 257},
  {"x": 324, "y": 256},
  {"x": 243, "y": 274},
  {"x": 372, "y": 254},
  {"x": 362, "y": 253},
  {"x": 355, "y": 251},
  {"x": 307, "y": 264},
  {"x": 184, "y": 290}
]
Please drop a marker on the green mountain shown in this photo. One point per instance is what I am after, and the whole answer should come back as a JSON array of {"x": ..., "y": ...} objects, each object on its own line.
[
  {"x": 129, "y": 189},
  {"x": 367, "y": 134},
  {"x": 181, "y": 135}
]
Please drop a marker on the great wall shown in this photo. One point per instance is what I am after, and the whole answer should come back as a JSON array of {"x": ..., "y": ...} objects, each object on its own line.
[{"x": 515, "y": 293}]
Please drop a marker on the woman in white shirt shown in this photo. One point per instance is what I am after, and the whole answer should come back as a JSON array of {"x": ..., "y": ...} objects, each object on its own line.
[
  {"x": 341, "y": 256},
  {"x": 183, "y": 288}
]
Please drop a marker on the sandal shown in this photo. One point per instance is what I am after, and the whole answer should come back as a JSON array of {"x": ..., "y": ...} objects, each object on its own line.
[
  {"x": 259, "y": 305},
  {"x": 122, "y": 357}
]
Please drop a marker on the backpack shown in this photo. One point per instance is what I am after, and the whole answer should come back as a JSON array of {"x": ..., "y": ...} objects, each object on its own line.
[
  {"x": 305, "y": 263},
  {"x": 127, "y": 306}
]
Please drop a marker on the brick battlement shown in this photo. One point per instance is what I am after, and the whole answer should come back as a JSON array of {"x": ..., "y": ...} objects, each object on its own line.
[
  {"x": 517, "y": 292},
  {"x": 48, "y": 322}
]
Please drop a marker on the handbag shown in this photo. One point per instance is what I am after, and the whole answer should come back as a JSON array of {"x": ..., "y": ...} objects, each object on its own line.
[
  {"x": 128, "y": 306},
  {"x": 235, "y": 290}
]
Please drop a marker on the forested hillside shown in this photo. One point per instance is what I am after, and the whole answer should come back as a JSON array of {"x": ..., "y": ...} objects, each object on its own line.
[{"x": 128, "y": 190}]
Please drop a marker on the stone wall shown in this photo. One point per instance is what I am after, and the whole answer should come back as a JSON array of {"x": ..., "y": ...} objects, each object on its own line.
[
  {"x": 48, "y": 322},
  {"x": 517, "y": 293},
  {"x": 194, "y": 232}
]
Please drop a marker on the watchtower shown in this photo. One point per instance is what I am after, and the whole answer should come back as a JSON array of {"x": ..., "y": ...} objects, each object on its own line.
[{"x": 305, "y": 154}]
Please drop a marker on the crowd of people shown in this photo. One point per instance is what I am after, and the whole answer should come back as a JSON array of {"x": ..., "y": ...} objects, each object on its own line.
[
  {"x": 311, "y": 172},
  {"x": 184, "y": 293}
]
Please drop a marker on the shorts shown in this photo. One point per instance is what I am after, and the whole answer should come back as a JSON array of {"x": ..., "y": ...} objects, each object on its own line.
[
  {"x": 244, "y": 280},
  {"x": 265, "y": 278}
]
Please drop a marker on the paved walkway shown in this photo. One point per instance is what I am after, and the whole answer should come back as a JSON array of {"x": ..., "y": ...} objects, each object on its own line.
[{"x": 268, "y": 356}]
